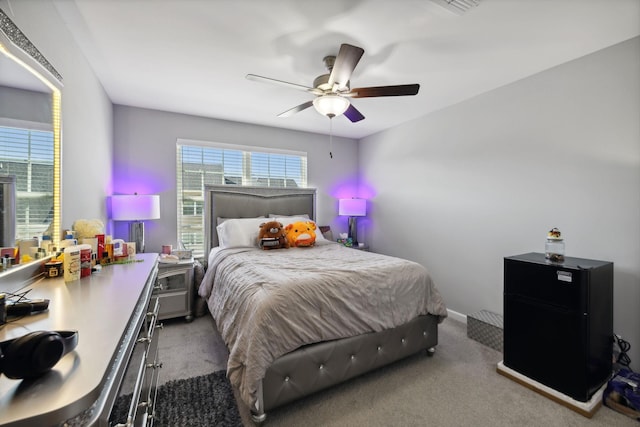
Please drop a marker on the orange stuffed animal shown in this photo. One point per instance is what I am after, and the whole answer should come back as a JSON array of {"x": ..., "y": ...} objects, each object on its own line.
[
  {"x": 272, "y": 236},
  {"x": 301, "y": 233}
]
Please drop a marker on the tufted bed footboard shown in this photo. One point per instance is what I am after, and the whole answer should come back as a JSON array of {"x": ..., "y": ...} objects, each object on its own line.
[{"x": 315, "y": 367}]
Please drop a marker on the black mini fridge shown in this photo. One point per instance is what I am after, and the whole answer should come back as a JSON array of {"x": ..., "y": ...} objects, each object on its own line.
[{"x": 558, "y": 322}]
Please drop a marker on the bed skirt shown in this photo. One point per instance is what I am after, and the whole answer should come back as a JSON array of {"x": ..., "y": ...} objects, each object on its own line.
[{"x": 315, "y": 367}]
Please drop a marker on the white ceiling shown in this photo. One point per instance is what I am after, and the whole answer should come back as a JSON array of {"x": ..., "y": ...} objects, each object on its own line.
[{"x": 191, "y": 56}]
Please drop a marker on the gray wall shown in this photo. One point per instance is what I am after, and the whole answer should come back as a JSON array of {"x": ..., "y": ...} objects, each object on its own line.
[
  {"x": 460, "y": 189},
  {"x": 145, "y": 161}
]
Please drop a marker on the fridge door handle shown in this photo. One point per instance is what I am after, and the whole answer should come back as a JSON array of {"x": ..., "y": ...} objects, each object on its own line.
[{"x": 565, "y": 276}]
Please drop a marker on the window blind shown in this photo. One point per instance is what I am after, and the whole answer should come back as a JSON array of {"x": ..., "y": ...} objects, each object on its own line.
[
  {"x": 28, "y": 154},
  {"x": 200, "y": 163}
]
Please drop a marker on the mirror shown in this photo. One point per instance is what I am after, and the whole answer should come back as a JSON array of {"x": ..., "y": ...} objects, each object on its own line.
[{"x": 30, "y": 142}]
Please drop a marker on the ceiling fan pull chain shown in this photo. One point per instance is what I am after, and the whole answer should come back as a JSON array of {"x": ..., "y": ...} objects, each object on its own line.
[{"x": 330, "y": 137}]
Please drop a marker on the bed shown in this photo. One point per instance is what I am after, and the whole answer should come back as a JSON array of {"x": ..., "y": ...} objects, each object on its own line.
[{"x": 299, "y": 320}]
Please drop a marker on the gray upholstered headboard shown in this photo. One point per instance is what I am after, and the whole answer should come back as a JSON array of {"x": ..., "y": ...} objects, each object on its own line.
[{"x": 228, "y": 201}]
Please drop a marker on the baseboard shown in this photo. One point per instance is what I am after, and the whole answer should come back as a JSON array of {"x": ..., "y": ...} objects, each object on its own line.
[
  {"x": 457, "y": 316},
  {"x": 586, "y": 409}
]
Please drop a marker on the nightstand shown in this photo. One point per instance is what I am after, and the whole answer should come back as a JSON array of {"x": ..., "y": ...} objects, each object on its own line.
[{"x": 174, "y": 288}]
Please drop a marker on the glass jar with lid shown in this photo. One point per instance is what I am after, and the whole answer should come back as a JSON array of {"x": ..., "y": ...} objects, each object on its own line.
[{"x": 554, "y": 247}]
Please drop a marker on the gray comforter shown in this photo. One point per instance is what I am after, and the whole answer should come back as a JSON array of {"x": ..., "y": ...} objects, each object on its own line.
[{"x": 267, "y": 303}]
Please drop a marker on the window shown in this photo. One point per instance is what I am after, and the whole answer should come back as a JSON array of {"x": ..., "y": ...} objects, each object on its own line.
[
  {"x": 28, "y": 154},
  {"x": 200, "y": 163}
]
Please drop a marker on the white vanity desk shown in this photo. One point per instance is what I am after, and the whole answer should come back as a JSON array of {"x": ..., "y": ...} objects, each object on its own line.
[{"x": 108, "y": 310}]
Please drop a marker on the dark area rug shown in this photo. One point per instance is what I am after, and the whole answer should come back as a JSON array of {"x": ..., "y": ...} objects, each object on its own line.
[{"x": 206, "y": 400}]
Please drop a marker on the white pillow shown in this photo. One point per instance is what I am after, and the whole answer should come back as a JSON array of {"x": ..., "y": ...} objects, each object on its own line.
[
  {"x": 221, "y": 220},
  {"x": 239, "y": 232},
  {"x": 319, "y": 235},
  {"x": 286, "y": 220},
  {"x": 289, "y": 216}
]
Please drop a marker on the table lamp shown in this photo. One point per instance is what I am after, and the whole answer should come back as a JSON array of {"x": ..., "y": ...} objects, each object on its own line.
[
  {"x": 135, "y": 208},
  {"x": 352, "y": 208}
]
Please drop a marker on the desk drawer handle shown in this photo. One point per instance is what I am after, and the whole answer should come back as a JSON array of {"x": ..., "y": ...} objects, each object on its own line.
[
  {"x": 156, "y": 309},
  {"x": 137, "y": 390},
  {"x": 153, "y": 318},
  {"x": 149, "y": 336}
]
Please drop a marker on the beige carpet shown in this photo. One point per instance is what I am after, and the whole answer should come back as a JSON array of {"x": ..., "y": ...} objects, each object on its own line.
[{"x": 458, "y": 386}]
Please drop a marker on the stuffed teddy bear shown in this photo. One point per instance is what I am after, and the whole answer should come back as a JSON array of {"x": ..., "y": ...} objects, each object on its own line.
[
  {"x": 301, "y": 233},
  {"x": 272, "y": 236}
]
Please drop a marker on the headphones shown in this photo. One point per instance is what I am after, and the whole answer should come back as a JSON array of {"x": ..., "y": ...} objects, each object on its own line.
[{"x": 35, "y": 353}]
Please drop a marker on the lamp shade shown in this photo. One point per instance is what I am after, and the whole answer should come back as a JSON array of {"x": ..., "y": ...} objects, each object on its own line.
[
  {"x": 331, "y": 105},
  {"x": 135, "y": 207},
  {"x": 352, "y": 207}
]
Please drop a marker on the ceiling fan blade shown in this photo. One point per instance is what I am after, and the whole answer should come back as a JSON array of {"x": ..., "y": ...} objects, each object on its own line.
[
  {"x": 353, "y": 114},
  {"x": 296, "y": 109},
  {"x": 345, "y": 63},
  {"x": 262, "y": 79},
  {"x": 398, "y": 90}
]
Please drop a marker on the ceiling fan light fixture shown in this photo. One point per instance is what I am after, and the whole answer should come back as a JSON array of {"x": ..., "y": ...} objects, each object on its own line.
[{"x": 331, "y": 105}]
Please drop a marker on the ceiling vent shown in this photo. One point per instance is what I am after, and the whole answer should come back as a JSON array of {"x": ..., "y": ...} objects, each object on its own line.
[{"x": 459, "y": 7}]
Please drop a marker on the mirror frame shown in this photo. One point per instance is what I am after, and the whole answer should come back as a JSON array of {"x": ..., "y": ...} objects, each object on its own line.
[{"x": 15, "y": 45}]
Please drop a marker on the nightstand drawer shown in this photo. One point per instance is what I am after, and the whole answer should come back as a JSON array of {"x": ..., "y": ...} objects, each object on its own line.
[
  {"x": 174, "y": 289},
  {"x": 174, "y": 304}
]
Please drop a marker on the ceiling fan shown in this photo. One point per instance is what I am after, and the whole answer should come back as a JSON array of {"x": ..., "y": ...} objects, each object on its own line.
[{"x": 332, "y": 90}]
